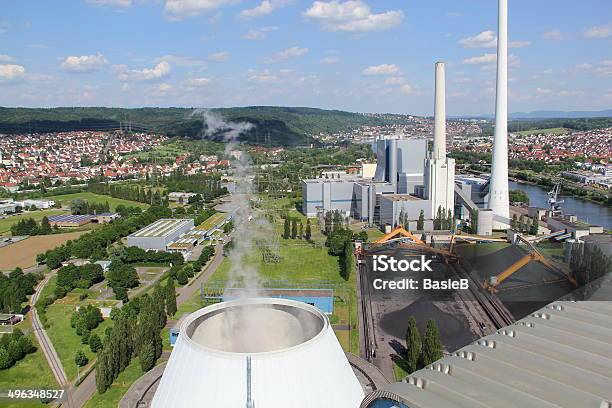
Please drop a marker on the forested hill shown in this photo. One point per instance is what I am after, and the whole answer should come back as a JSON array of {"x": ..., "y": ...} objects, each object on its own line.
[{"x": 285, "y": 125}]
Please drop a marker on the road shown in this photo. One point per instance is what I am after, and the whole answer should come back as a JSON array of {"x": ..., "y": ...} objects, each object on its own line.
[
  {"x": 44, "y": 341},
  {"x": 84, "y": 391}
]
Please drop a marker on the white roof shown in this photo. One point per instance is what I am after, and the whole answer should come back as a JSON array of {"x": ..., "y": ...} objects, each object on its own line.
[{"x": 313, "y": 374}]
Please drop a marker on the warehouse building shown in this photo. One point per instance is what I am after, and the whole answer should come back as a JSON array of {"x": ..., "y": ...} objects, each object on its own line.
[
  {"x": 69, "y": 220},
  {"x": 158, "y": 235}
]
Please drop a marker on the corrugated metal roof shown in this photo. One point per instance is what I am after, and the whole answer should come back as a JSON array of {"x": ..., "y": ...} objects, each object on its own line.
[{"x": 559, "y": 356}]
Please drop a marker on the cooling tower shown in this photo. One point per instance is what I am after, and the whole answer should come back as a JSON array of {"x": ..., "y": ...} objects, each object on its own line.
[{"x": 260, "y": 353}]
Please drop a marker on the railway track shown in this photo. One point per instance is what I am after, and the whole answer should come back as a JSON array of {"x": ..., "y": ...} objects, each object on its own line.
[
  {"x": 48, "y": 350},
  {"x": 490, "y": 304}
]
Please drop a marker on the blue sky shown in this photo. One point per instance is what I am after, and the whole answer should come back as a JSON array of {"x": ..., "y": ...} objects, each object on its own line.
[{"x": 365, "y": 56}]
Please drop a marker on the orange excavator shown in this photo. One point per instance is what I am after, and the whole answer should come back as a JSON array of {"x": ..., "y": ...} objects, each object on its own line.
[
  {"x": 400, "y": 236},
  {"x": 534, "y": 255}
]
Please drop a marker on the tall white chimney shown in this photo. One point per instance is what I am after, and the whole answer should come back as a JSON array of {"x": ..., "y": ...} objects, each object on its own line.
[
  {"x": 439, "y": 147},
  {"x": 498, "y": 188}
]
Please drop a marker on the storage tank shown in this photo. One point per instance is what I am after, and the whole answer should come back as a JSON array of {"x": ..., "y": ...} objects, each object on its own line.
[{"x": 258, "y": 352}]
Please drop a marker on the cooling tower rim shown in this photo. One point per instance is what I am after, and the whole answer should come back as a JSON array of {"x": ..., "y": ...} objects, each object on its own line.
[{"x": 253, "y": 301}]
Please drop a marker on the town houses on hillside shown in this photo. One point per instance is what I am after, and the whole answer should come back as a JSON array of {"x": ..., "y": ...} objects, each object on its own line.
[{"x": 28, "y": 159}]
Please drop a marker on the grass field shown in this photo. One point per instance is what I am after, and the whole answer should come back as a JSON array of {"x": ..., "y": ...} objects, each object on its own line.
[
  {"x": 31, "y": 372},
  {"x": 211, "y": 221},
  {"x": 64, "y": 337},
  {"x": 23, "y": 253},
  {"x": 6, "y": 223},
  {"x": 95, "y": 198},
  {"x": 554, "y": 131},
  {"x": 302, "y": 263},
  {"x": 166, "y": 151}
]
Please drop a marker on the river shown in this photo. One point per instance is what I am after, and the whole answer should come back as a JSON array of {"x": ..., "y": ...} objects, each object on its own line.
[{"x": 587, "y": 211}]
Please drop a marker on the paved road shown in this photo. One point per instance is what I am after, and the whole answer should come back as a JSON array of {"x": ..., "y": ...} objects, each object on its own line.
[
  {"x": 44, "y": 341},
  {"x": 187, "y": 291}
]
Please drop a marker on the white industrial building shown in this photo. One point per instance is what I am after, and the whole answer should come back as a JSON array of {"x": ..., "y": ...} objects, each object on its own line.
[
  {"x": 258, "y": 352},
  {"x": 158, "y": 235}
]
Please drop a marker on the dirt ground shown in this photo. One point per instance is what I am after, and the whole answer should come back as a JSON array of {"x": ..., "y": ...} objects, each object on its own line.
[{"x": 23, "y": 253}]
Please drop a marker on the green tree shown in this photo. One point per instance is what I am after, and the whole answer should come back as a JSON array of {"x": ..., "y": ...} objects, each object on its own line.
[
  {"x": 15, "y": 351},
  {"x": 80, "y": 358},
  {"x": 413, "y": 345},
  {"x": 347, "y": 260},
  {"x": 432, "y": 347},
  {"x": 287, "y": 227},
  {"x": 26, "y": 345},
  {"x": 45, "y": 226},
  {"x": 514, "y": 222},
  {"x": 5, "y": 359},
  {"x": 181, "y": 277},
  {"x": 294, "y": 228},
  {"x": 301, "y": 230},
  {"x": 421, "y": 221},
  {"x": 171, "y": 306},
  {"x": 95, "y": 343},
  {"x": 308, "y": 230},
  {"x": 534, "y": 226},
  {"x": 147, "y": 357}
]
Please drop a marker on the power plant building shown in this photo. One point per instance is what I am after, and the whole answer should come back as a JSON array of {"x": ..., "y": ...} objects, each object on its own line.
[
  {"x": 408, "y": 179},
  {"x": 158, "y": 235}
]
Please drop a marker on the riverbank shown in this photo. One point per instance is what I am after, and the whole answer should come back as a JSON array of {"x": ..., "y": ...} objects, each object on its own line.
[
  {"x": 591, "y": 212},
  {"x": 568, "y": 192}
]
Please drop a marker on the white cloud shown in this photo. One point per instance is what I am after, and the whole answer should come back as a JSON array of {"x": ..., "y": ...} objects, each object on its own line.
[
  {"x": 197, "y": 82},
  {"x": 485, "y": 39},
  {"x": 289, "y": 53},
  {"x": 584, "y": 66},
  {"x": 351, "y": 16},
  {"x": 180, "y": 61},
  {"x": 113, "y": 3},
  {"x": 519, "y": 44},
  {"x": 383, "y": 69},
  {"x": 5, "y": 58},
  {"x": 330, "y": 60},
  {"x": 604, "y": 68},
  {"x": 259, "y": 33},
  {"x": 164, "y": 87},
  {"x": 264, "y": 8},
  {"x": 406, "y": 89},
  {"x": 219, "y": 56},
  {"x": 604, "y": 31},
  {"x": 483, "y": 59},
  {"x": 159, "y": 71},
  {"x": 488, "y": 60},
  {"x": 179, "y": 9},
  {"x": 552, "y": 92},
  {"x": 11, "y": 71},
  {"x": 84, "y": 63},
  {"x": 555, "y": 35},
  {"x": 264, "y": 76},
  {"x": 488, "y": 39},
  {"x": 394, "y": 80}
]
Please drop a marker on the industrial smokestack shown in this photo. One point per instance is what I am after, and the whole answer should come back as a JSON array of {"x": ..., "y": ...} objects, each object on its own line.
[
  {"x": 498, "y": 188},
  {"x": 439, "y": 147}
]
